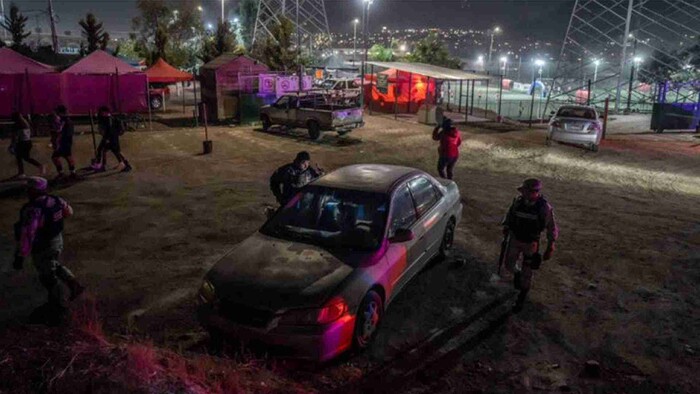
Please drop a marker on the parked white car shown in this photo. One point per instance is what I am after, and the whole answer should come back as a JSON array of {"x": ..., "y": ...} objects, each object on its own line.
[{"x": 576, "y": 124}]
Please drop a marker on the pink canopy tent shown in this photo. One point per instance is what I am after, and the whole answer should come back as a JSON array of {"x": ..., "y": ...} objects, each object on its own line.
[
  {"x": 26, "y": 85},
  {"x": 101, "y": 79}
]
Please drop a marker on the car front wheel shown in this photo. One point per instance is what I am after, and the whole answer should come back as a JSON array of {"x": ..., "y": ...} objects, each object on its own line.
[
  {"x": 368, "y": 317},
  {"x": 314, "y": 130},
  {"x": 266, "y": 123}
]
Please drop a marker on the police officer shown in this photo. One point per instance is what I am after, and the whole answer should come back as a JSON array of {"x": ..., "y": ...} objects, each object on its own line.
[
  {"x": 286, "y": 181},
  {"x": 39, "y": 232},
  {"x": 110, "y": 129},
  {"x": 527, "y": 217}
]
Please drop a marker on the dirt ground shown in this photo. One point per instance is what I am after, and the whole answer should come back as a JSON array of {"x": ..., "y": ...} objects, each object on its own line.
[{"x": 620, "y": 290}]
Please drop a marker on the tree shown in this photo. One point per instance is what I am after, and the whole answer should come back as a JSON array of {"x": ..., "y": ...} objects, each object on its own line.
[
  {"x": 93, "y": 33},
  {"x": 160, "y": 42},
  {"x": 15, "y": 24},
  {"x": 278, "y": 53},
  {"x": 431, "y": 51},
  {"x": 224, "y": 40},
  {"x": 380, "y": 53},
  {"x": 248, "y": 10},
  {"x": 172, "y": 33}
]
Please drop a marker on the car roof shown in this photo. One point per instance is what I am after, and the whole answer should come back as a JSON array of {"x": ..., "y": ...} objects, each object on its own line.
[{"x": 377, "y": 178}]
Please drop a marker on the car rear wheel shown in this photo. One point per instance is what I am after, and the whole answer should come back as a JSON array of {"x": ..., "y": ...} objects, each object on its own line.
[
  {"x": 448, "y": 240},
  {"x": 594, "y": 147},
  {"x": 548, "y": 141},
  {"x": 368, "y": 317},
  {"x": 314, "y": 130},
  {"x": 266, "y": 123}
]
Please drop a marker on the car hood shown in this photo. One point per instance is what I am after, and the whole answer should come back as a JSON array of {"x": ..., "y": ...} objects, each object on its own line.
[{"x": 272, "y": 273}]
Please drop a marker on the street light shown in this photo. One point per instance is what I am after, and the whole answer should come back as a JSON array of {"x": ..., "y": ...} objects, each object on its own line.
[
  {"x": 504, "y": 60},
  {"x": 493, "y": 31},
  {"x": 200, "y": 9},
  {"x": 210, "y": 26},
  {"x": 403, "y": 48},
  {"x": 354, "y": 39},
  {"x": 596, "y": 62},
  {"x": 539, "y": 63},
  {"x": 366, "y": 4}
]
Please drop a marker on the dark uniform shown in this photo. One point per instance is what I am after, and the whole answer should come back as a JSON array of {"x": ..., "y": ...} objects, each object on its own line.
[
  {"x": 63, "y": 143},
  {"x": 111, "y": 130},
  {"x": 39, "y": 232},
  {"x": 287, "y": 180},
  {"x": 524, "y": 223}
]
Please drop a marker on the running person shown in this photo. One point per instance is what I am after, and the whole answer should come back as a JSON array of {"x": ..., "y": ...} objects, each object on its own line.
[
  {"x": 62, "y": 140},
  {"x": 110, "y": 141},
  {"x": 22, "y": 144}
]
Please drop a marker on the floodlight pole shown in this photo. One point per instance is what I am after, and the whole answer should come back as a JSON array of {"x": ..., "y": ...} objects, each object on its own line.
[
  {"x": 2, "y": 10},
  {"x": 623, "y": 58}
]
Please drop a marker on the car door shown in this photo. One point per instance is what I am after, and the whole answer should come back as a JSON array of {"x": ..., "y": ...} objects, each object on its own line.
[
  {"x": 430, "y": 216},
  {"x": 279, "y": 111},
  {"x": 401, "y": 256}
]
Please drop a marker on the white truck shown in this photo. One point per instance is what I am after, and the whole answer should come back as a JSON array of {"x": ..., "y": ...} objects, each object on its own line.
[{"x": 312, "y": 112}]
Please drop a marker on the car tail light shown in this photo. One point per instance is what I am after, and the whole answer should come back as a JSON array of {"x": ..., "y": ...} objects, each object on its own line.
[
  {"x": 332, "y": 311},
  {"x": 595, "y": 127}
]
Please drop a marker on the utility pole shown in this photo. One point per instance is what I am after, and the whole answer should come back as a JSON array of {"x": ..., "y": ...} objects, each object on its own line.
[
  {"x": 223, "y": 17},
  {"x": 298, "y": 48},
  {"x": 52, "y": 18},
  {"x": 2, "y": 9}
]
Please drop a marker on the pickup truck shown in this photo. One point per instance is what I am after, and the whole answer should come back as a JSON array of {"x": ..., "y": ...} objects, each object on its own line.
[{"x": 311, "y": 111}]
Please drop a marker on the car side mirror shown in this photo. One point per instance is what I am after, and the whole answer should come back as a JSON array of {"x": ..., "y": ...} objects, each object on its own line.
[
  {"x": 551, "y": 113},
  {"x": 402, "y": 235},
  {"x": 270, "y": 212}
]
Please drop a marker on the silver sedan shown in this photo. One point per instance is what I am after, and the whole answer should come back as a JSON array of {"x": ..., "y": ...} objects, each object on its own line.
[
  {"x": 319, "y": 275},
  {"x": 576, "y": 124}
]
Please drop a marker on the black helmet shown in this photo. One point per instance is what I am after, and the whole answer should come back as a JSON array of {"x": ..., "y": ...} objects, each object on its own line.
[{"x": 302, "y": 156}]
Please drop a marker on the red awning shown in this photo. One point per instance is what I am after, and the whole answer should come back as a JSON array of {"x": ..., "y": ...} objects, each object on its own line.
[{"x": 162, "y": 72}]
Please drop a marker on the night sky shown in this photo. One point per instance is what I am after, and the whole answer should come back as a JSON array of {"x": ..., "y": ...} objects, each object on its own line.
[{"x": 541, "y": 19}]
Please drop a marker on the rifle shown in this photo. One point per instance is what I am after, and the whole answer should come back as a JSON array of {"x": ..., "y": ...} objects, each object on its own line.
[{"x": 504, "y": 248}]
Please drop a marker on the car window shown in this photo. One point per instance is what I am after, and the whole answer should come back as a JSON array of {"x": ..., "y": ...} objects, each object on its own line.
[
  {"x": 339, "y": 86},
  {"x": 354, "y": 85},
  {"x": 570, "y": 112},
  {"x": 424, "y": 194},
  {"x": 403, "y": 211},
  {"x": 282, "y": 102},
  {"x": 332, "y": 218}
]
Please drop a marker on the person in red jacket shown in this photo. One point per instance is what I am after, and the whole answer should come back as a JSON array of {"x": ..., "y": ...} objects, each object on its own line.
[{"x": 448, "y": 151}]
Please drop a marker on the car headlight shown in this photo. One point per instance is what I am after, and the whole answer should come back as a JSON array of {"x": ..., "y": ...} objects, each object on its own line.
[
  {"x": 207, "y": 292},
  {"x": 332, "y": 311}
]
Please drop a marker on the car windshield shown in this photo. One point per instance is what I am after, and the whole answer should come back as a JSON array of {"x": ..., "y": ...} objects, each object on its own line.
[
  {"x": 572, "y": 112},
  {"x": 328, "y": 84},
  {"x": 334, "y": 218}
]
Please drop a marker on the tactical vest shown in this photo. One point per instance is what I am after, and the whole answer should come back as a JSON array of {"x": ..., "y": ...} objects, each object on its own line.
[
  {"x": 52, "y": 213},
  {"x": 528, "y": 220}
]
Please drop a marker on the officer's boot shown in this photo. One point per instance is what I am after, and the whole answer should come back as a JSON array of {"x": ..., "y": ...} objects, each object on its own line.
[
  {"x": 517, "y": 280},
  {"x": 520, "y": 301}
]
